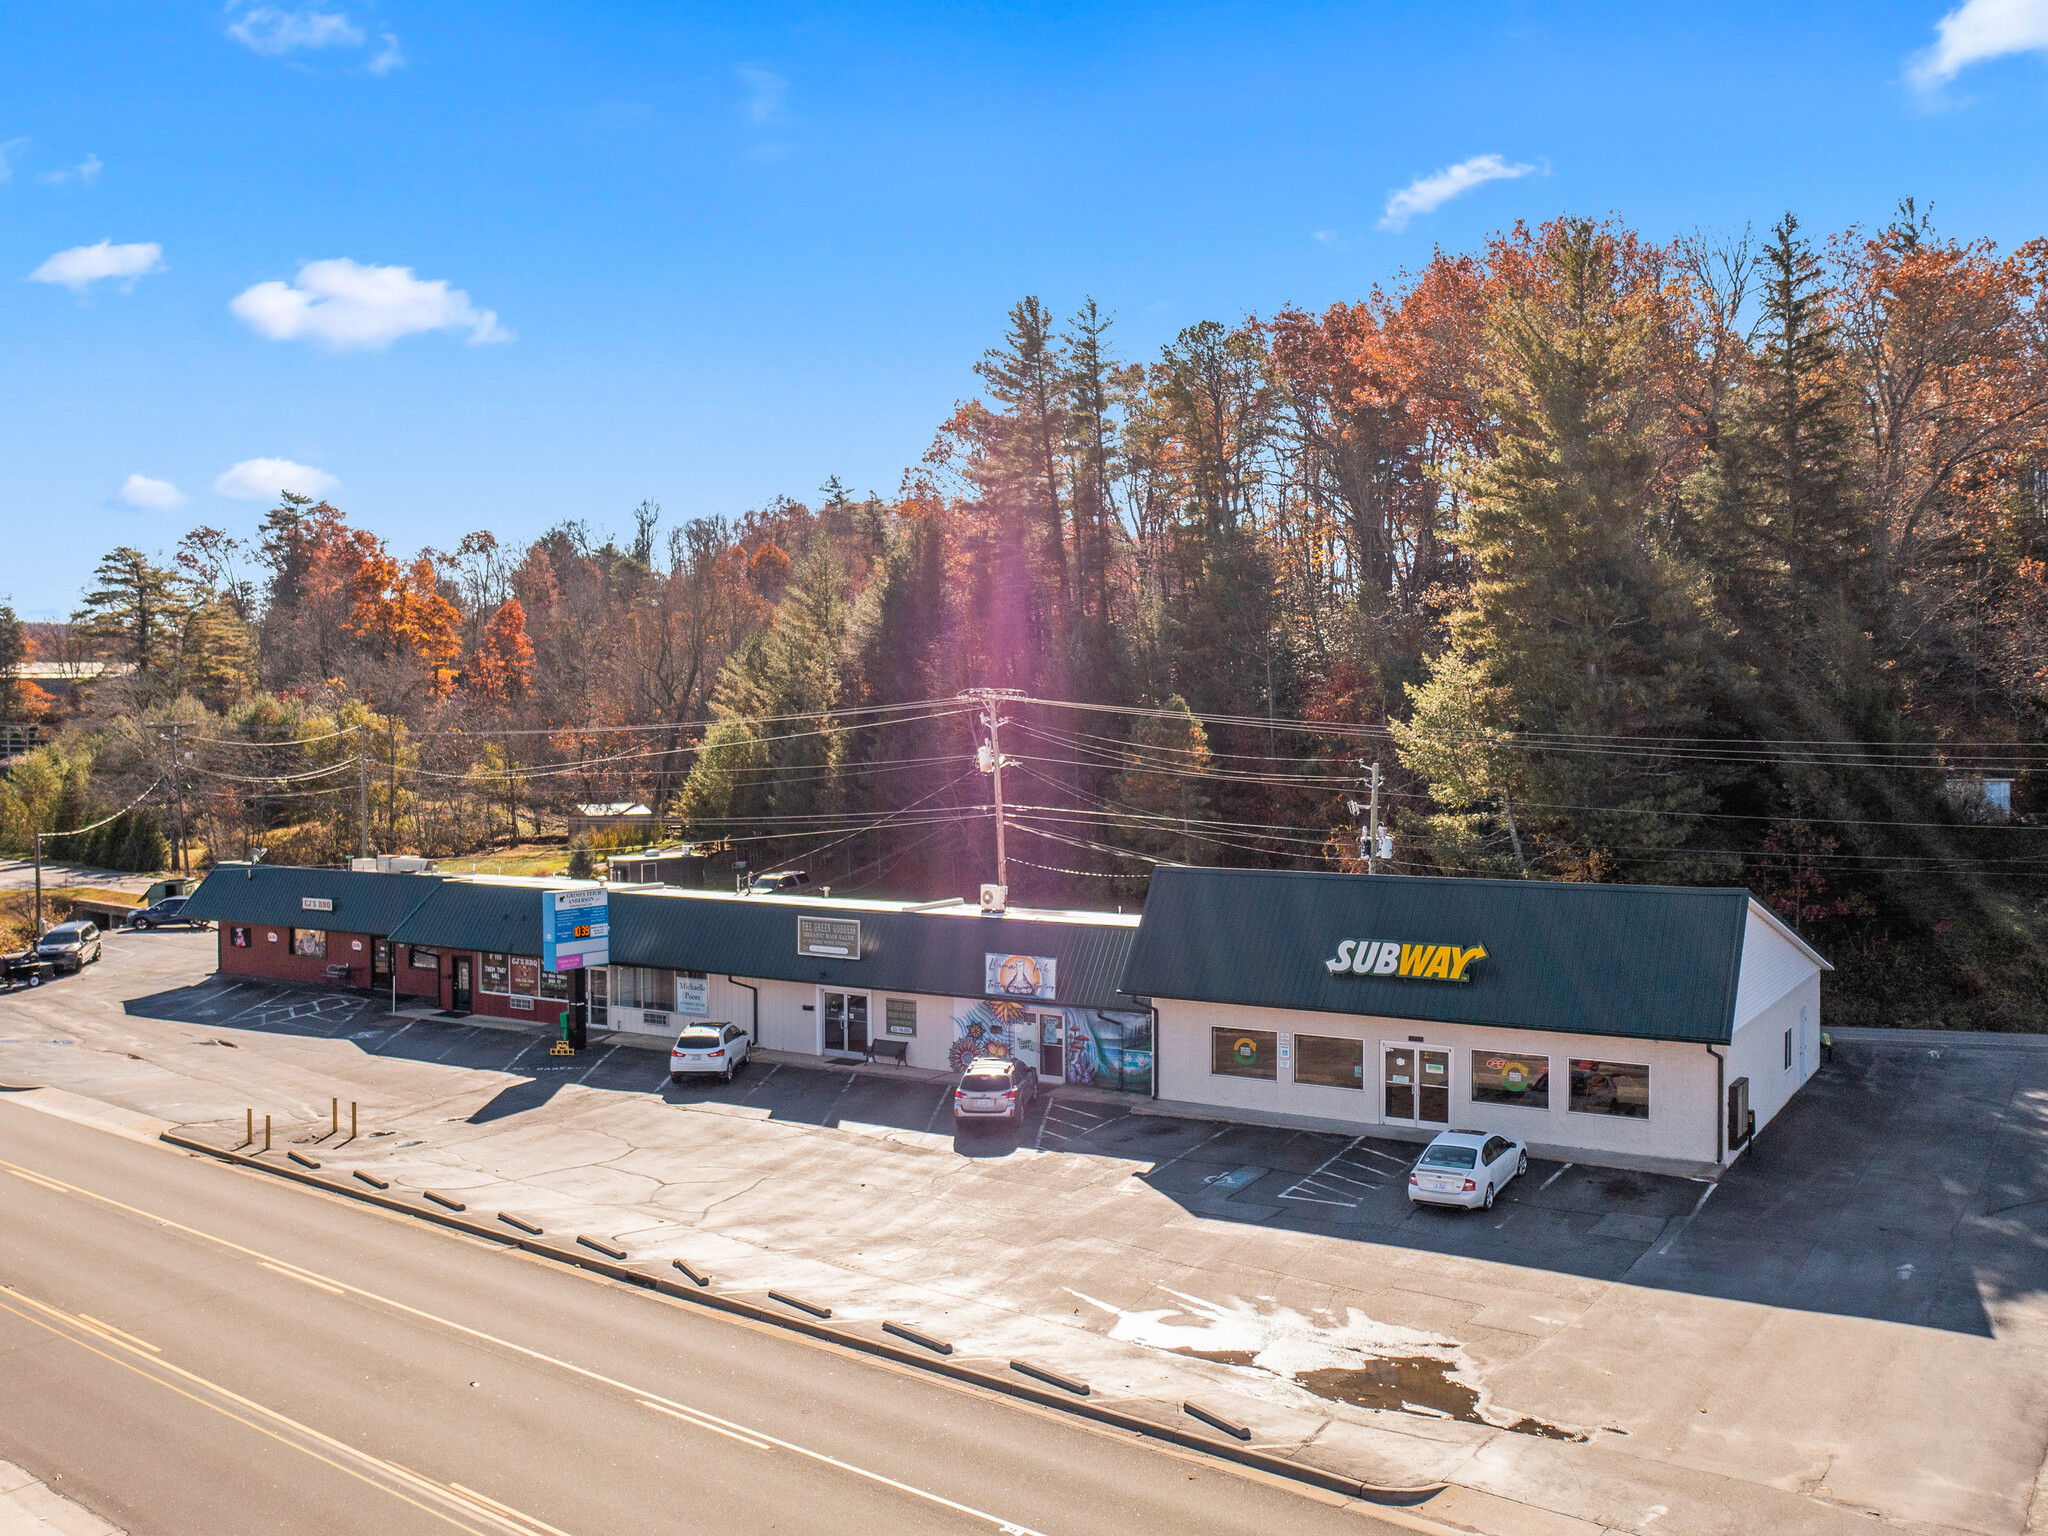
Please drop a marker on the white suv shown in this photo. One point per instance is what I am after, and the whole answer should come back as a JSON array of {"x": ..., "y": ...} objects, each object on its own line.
[
  {"x": 1466, "y": 1168},
  {"x": 708, "y": 1048}
]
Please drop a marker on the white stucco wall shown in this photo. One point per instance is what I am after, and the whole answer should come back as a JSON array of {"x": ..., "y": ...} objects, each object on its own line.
[
  {"x": 790, "y": 1020},
  {"x": 1680, "y": 1127}
]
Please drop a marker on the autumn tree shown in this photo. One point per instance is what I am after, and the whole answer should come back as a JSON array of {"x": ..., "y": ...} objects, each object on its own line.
[{"x": 501, "y": 667}]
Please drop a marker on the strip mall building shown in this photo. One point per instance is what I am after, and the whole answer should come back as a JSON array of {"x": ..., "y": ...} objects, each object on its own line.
[{"x": 1641, "y": 1026}]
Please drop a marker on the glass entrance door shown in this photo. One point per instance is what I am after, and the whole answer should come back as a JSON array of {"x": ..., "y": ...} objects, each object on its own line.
[
  {"x": 846, "y": 1021},
  {"x": 1418, "y": 1085},
  {"x": 462, "y": 988}
]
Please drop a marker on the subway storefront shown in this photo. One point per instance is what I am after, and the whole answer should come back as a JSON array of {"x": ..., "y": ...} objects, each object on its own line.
[{"x": 1654, "y": 1027}]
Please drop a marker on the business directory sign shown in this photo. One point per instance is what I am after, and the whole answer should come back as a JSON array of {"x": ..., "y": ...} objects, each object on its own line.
[{"x": 575, "y": 929}]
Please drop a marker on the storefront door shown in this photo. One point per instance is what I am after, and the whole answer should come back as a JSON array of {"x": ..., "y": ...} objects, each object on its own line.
[
  {"x": 846, "y": 1020},
  {"x": 462, "y": 983},
  {"x": 380, "y": 960},
  {"x": 1418, "y": 1085},
  {"x": 1052, "y": 1046}
]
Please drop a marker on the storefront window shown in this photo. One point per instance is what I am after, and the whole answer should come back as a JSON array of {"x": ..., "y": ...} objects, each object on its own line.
[
  {"x": 1244, "y": 1053},
  {"x": 497, "y": 973},
  {"x": 1508, "y": 1077},
  {"x": 310, "y": 942},
  {"x": 525, "y": 975},
  {"x": 239, "y": 937},
  {"x": 425, "y": 959},
  {"x": 1329, "y": 1061},
  {"x": 554, "y": 984},
  {"x": 1611, "y": 1088}
]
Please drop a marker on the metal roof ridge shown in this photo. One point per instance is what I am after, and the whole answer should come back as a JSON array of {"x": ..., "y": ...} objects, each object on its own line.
[
  {"x": 1507, "y": 881},
  {"x": 829, "y": 904}
]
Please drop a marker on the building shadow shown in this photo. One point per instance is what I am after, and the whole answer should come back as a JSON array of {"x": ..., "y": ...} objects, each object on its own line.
[{"x": 1906, "y": 1183}]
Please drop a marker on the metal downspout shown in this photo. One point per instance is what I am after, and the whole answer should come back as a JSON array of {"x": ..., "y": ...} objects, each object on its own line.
[
  {"x": 1720, "y": 1097},
  {"x": 757, "y": 1004}
]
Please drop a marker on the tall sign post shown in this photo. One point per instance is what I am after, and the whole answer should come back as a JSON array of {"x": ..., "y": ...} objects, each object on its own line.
[{"x": 575, "y": 935}]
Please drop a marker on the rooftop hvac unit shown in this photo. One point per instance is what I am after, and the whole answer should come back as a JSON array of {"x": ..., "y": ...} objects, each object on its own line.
[{"x": 993, "y": 897}]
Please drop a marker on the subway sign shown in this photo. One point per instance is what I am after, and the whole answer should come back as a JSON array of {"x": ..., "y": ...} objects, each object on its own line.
[{"x": 1414, "y": 962}]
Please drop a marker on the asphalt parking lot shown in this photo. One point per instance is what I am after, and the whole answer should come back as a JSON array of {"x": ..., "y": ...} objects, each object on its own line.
[
  {"x": 1904, "y": 1171},
  {"x": 1852, "y": 1321}
]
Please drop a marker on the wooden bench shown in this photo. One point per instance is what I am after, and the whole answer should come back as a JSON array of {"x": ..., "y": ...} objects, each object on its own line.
[
  {"x": 897, "y": 1051},
  {"x": 339, "y": 972}
]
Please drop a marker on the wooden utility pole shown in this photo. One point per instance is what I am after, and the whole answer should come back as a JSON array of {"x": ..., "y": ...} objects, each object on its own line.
[{"x": 991, "y": 761}]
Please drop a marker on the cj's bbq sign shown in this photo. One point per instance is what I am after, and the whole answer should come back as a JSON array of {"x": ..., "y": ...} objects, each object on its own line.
[{"x": 1415, "y": 962}]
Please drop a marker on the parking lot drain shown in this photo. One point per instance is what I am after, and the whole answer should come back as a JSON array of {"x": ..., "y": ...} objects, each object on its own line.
[
  {"x": 440, "y": 1199},
  {"x": 802, "y": 1306},
  {"x": 937, "y": 1345},
  {"x": 693, "y": 1276},
  {"x": 302, "y": 1161},
  {"x": 372, "y": 1180},
  {"x": 1051, "y": 1378},
  {"x": 603, "y": 1247},
  {"x": 518, "y": 1221},
  {"x": 1216, "y": 1421}
]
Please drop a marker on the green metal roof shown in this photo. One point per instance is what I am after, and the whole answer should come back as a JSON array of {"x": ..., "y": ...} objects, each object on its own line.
[
  {"x": 467, "y": 913},
  {"x": 938, "y": 953},
  {"x": 364, "y": 902},
  {"x": 1645, "y": 962}
]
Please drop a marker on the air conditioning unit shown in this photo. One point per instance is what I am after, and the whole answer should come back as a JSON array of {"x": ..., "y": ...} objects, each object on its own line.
[{"x": 993, "y": 897}]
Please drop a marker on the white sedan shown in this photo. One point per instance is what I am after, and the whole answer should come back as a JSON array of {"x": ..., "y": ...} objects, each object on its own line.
[
  {"x": 708, "y": 1048},
  {"x": 1466, "y": 1168}
]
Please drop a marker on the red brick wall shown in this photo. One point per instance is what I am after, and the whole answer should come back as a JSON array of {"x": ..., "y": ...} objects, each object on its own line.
[{"x": 276, "y": 961}]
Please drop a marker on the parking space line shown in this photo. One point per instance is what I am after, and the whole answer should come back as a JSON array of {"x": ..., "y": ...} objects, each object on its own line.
[
  {"x": 1309, "y": 1178},
  {"x": 1567, "y": 1168}
]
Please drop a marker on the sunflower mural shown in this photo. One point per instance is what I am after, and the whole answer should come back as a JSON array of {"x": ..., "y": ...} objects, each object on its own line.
[{"x": 984, "y": 1029}]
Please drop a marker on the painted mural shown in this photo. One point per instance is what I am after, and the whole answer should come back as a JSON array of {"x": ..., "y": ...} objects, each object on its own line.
[{"x": 1099, "y": 1047}]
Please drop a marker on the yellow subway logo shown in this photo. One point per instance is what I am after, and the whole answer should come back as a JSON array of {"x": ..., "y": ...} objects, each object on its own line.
[{"x": 1416, "y": 962}]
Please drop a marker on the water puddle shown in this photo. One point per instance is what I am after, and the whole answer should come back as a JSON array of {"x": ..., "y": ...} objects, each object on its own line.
[
  {"x": 1416, "y": 1383},
  {"x": 1354, "y": 1360}
]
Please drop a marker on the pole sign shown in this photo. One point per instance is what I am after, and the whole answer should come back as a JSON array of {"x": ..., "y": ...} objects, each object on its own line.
[{"x": 575, "y": 930}]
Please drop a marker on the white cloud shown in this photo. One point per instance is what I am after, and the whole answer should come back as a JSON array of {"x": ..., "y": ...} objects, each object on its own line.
[
  {"x": 87, "y": 171},
  {"x": 1426, "y": 194},
  {"x": 345, "y": 304},
  {"x": 262, "y": 479},
  {"x": 1976, "y": 31},
  {"x": 7, "y": 150},
  {"x": 765, "y": 93},
  {"x": 83, "y": 265},
  {"x": 388, "y": 58},
  {"x": 152, "y": 495},
  {"x": 269, "y": 30}
]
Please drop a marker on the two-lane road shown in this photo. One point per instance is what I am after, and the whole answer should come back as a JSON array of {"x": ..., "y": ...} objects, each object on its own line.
[{"x": 197, "y": 1348}]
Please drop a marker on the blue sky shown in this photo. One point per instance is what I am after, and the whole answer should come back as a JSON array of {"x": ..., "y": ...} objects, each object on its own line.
[{"x": 499, "y": 265}]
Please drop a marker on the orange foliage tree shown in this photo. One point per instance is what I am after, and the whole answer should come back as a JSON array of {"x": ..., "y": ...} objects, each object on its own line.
[{"x": 501, "y": 668}]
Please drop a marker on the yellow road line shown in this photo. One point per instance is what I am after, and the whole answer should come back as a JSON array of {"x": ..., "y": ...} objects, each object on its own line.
[
  {"x": 225, "y": 1413},
  {"x": 126, "y": 1337},
  {"x": 650, "y": 1399}
]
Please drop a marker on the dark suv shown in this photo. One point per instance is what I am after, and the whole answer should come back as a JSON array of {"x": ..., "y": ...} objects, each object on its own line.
[
  {"x": 993, "y": 1088},
  {"x": 164, "y": 913},
  {"x": 70, "y": 946}
]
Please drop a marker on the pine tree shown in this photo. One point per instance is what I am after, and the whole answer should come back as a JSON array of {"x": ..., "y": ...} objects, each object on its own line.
[
  {"x": 1160, "y": 794},
  {"x": 1026, "y": 377},
  {"x": 13, "y": 652},
  {"x": 134, "y": 610},
  {"x": 1580, "y": 623}
]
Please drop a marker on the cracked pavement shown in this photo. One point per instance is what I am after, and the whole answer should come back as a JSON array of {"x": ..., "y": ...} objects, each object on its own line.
[{"x": 1850, "y": 1324}]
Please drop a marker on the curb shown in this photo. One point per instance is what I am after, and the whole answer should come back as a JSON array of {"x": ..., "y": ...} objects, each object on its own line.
[{"x": 1278, "y": 1466}]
